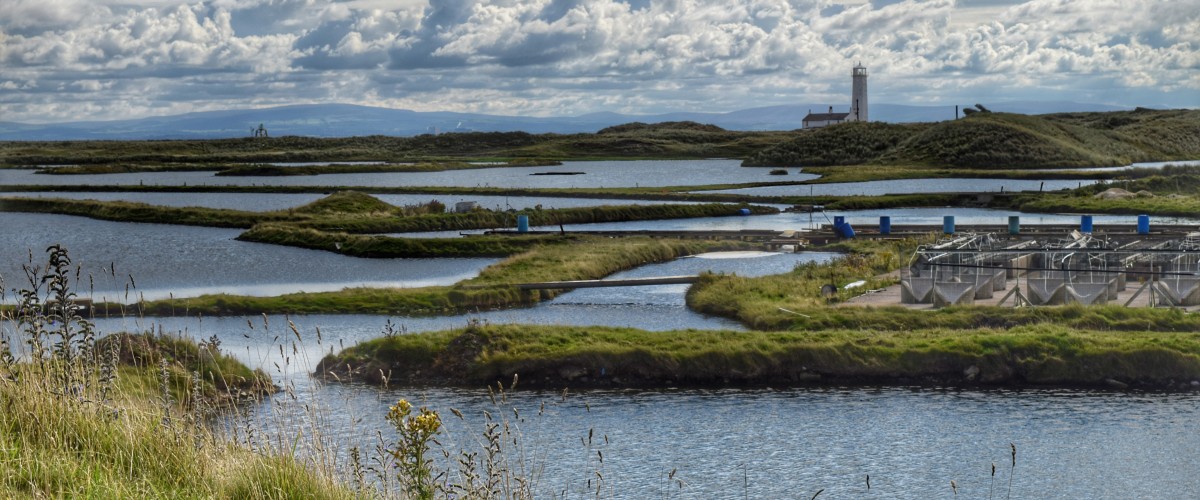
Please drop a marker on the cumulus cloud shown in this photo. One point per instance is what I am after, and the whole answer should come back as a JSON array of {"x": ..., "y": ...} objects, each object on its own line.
[{"x": 71, "y": 58}]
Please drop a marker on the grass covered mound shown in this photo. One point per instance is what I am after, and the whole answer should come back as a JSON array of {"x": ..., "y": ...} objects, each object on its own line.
[
  {"x": 561, "y": 356},
  {"x": 852, "y": 143},
  {"x": 347, "y": 202},
  {"x": 220, "y": 376},
  {"x": 998, "y": 140}
]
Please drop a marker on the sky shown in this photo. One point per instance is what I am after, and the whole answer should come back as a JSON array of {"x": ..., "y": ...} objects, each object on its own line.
[{"x": 71, "y": 60}]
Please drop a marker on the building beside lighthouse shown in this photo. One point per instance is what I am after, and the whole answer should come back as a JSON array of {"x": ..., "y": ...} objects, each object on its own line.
[{"x": 858, "y": 103}]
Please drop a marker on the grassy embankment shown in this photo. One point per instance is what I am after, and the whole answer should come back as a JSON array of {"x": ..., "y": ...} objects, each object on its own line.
[
  {"x": 124, "y": 416},
  {"x": 553, "y": 259},
  {"x": 355, "y": 212},
  {"x": 557, "y": 356}
]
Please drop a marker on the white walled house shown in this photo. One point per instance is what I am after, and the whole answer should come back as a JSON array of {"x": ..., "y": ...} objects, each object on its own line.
[{"x": 817, "y": 120}]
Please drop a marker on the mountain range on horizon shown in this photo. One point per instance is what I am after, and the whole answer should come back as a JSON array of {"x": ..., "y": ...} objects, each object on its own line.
[{"x": 348, "y": 120}]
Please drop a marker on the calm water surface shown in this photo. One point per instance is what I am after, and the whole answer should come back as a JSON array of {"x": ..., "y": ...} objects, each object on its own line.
[{"x": 156, "y": 260}]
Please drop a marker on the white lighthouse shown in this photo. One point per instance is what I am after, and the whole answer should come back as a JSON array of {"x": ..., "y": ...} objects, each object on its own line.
[{"x": 858, "y": 102}]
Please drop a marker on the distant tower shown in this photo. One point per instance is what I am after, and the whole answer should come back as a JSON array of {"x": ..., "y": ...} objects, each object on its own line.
[{"x": 858, "y": 102}]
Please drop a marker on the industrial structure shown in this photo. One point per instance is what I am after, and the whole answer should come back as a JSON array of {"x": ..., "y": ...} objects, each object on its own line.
[
  {"x": 1081, "y": 268},
  {"x": 858, "y": 103}
]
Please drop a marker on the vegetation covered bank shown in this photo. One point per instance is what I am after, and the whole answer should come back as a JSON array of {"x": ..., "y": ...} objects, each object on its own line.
[{"x": 568, "y": 356}]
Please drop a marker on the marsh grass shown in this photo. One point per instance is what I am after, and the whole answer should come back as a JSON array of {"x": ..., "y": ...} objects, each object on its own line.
[{"x": 87, "y": 418}]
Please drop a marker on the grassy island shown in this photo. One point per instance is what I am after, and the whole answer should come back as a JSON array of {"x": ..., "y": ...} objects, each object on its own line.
[
  {"x": 356, "y": 212},
  {"x": 562, "y": 356}
]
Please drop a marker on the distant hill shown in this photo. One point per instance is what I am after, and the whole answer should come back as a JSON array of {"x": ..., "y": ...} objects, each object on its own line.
[
  {"x": 345, "y": 120},
  {"x": 999, "y": 140}
]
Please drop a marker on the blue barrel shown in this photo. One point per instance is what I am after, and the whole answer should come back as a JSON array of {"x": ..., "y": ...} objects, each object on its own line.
[
  {"x": 522, "y": 223},
  {"x": 1143, "y": 224},
  {"x": 838, "y": 220},
  {"x": 847, "y": 231},
  {"x": 1014, "y": 224},
  {"x": 948, "y": 224},
  {"x": 1085, "y": 224},
  {"x": 743, "y": 211},
  {"x": 885, "y": 224}
]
